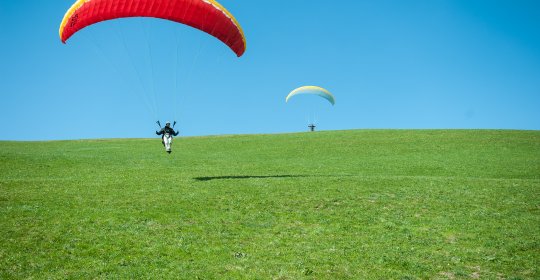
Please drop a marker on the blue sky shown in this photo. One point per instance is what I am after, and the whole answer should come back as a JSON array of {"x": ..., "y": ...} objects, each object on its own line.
[{"x": 390, "y": 64}]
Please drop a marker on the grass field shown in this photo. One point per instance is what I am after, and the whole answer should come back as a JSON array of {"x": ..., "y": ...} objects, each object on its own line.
[{"x": 364, "y": 204}]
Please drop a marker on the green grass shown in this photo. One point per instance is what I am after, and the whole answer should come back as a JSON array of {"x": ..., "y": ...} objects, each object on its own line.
[{"x": 364, "y": 204}]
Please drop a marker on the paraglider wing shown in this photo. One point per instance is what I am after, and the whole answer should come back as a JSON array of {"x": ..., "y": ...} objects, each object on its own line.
[
  {"x": 206, "y": 15},
  {"x": 312, "y": 90}
]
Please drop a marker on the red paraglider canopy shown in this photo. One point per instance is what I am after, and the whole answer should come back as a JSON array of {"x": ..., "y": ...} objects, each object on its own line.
[{"x": 206, "y": 15}]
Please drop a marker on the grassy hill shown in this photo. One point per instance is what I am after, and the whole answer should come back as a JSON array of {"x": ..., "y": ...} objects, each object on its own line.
[{"x": 364, "y": 204}]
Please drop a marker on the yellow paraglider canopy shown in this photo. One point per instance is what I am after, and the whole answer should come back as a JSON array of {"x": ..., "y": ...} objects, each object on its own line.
[{"x": 314, "y": 90}]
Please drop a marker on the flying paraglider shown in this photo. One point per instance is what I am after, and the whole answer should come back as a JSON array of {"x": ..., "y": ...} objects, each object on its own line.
[
  {"x": 312, "y": 90},
  {"x": 206, "y": 15}
]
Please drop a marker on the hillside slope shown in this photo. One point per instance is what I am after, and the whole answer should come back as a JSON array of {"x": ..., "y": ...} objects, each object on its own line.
[{"x": 362, "y": 204}]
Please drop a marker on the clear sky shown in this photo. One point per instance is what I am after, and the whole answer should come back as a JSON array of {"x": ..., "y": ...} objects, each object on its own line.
[{"x": 390, "y": 64}]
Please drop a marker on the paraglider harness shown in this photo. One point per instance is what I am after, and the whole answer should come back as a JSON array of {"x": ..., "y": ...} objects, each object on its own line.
[{"x": 166, "y": 130}]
